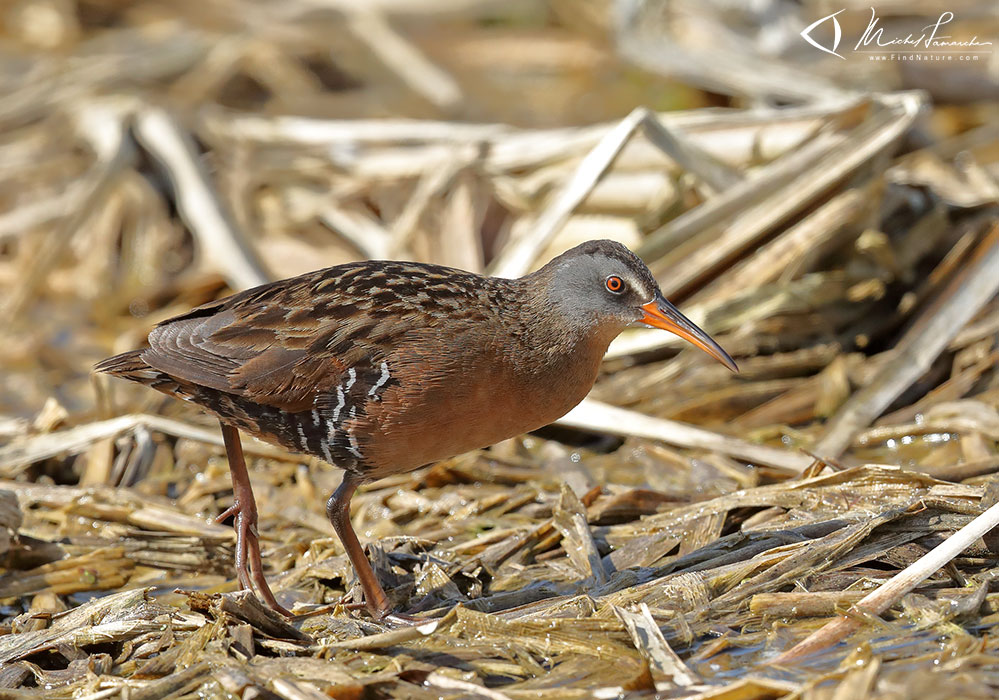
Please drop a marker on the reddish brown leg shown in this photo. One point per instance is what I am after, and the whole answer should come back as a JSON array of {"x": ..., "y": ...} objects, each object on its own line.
[
  {"x": 244, "y": 507},
  {"x": 338, "y": 510}
]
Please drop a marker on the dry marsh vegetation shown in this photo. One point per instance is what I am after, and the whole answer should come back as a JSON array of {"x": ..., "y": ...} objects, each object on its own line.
[{"x": 818, "y": 526}]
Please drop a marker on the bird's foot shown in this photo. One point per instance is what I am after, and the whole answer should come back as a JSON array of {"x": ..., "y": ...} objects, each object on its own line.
[
  {"x": 249, "y": 567},
  {"x": 385, "y": 616},
  {"x": 344, "y": 604}
]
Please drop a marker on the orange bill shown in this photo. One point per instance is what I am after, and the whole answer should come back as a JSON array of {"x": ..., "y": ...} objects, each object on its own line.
[{"x": 659, "y": 313}]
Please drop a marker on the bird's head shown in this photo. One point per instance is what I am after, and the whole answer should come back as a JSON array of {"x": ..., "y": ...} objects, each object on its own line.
[{"x": 602, "y": 285}]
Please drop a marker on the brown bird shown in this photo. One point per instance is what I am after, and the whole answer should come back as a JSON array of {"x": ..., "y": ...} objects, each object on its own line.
[{"x": 381, "y": 367}]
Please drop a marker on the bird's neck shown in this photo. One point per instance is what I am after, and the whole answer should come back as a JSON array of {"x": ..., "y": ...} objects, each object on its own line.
[{"x": 555, "y": 340}]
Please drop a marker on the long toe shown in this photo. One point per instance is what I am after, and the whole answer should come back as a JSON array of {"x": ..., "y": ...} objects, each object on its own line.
[
  {"x": 224, "y": 515},
  {"x": 244, "y": 539},
  {"x": 259, "y": 580}
]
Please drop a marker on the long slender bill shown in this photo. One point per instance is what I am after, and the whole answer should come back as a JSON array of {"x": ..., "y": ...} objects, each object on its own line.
[{"x": 659, "y": 313}]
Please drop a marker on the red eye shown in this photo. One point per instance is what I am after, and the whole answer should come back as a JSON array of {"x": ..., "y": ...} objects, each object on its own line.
[{"x": 614, "y": 284}]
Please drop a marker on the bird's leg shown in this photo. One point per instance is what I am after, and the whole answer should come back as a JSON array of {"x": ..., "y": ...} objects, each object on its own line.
[
  {"x": 338, "y": 510},
  {"x": 244, "y": 507}
]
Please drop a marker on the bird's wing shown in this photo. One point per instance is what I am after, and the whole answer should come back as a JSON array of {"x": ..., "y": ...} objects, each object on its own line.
[
  {"x": 288, "y": 343},
  {"x": 278, "y": 345}
]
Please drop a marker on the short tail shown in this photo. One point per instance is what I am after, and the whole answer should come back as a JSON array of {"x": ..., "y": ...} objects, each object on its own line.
[{"x": 130, "y": 365}]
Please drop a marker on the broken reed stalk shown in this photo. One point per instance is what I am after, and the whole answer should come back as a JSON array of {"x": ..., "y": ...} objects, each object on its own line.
[
  {"x": 102, "y": 124},
  {"x": 919, "y": 347},
  {"x": 516, "y": 258},
  {"x": 221, "y": 240},
  {"x": 721, "y": 248},
  {"x": 19, "y": 454},
  {"x": 594, "y": 415},
  {"x": 650, "y": 642},
  {"x": 889, "y": 592},
  {"x": 412, "y": 66}
]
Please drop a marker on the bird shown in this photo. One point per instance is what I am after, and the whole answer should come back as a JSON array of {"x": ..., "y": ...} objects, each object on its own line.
[{"x": 382, "y": 367}]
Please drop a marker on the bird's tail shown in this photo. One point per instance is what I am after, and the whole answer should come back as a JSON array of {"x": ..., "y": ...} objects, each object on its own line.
[{"x": 130, "y": 365}]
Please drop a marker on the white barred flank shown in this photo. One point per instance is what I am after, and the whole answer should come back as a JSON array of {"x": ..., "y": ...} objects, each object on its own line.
[
  {"x": 341, "y": 401},
  {"x": 352, "y": 446},
  {"x": 324, "y": 445},
  {"x": 373, "y": 391}
]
